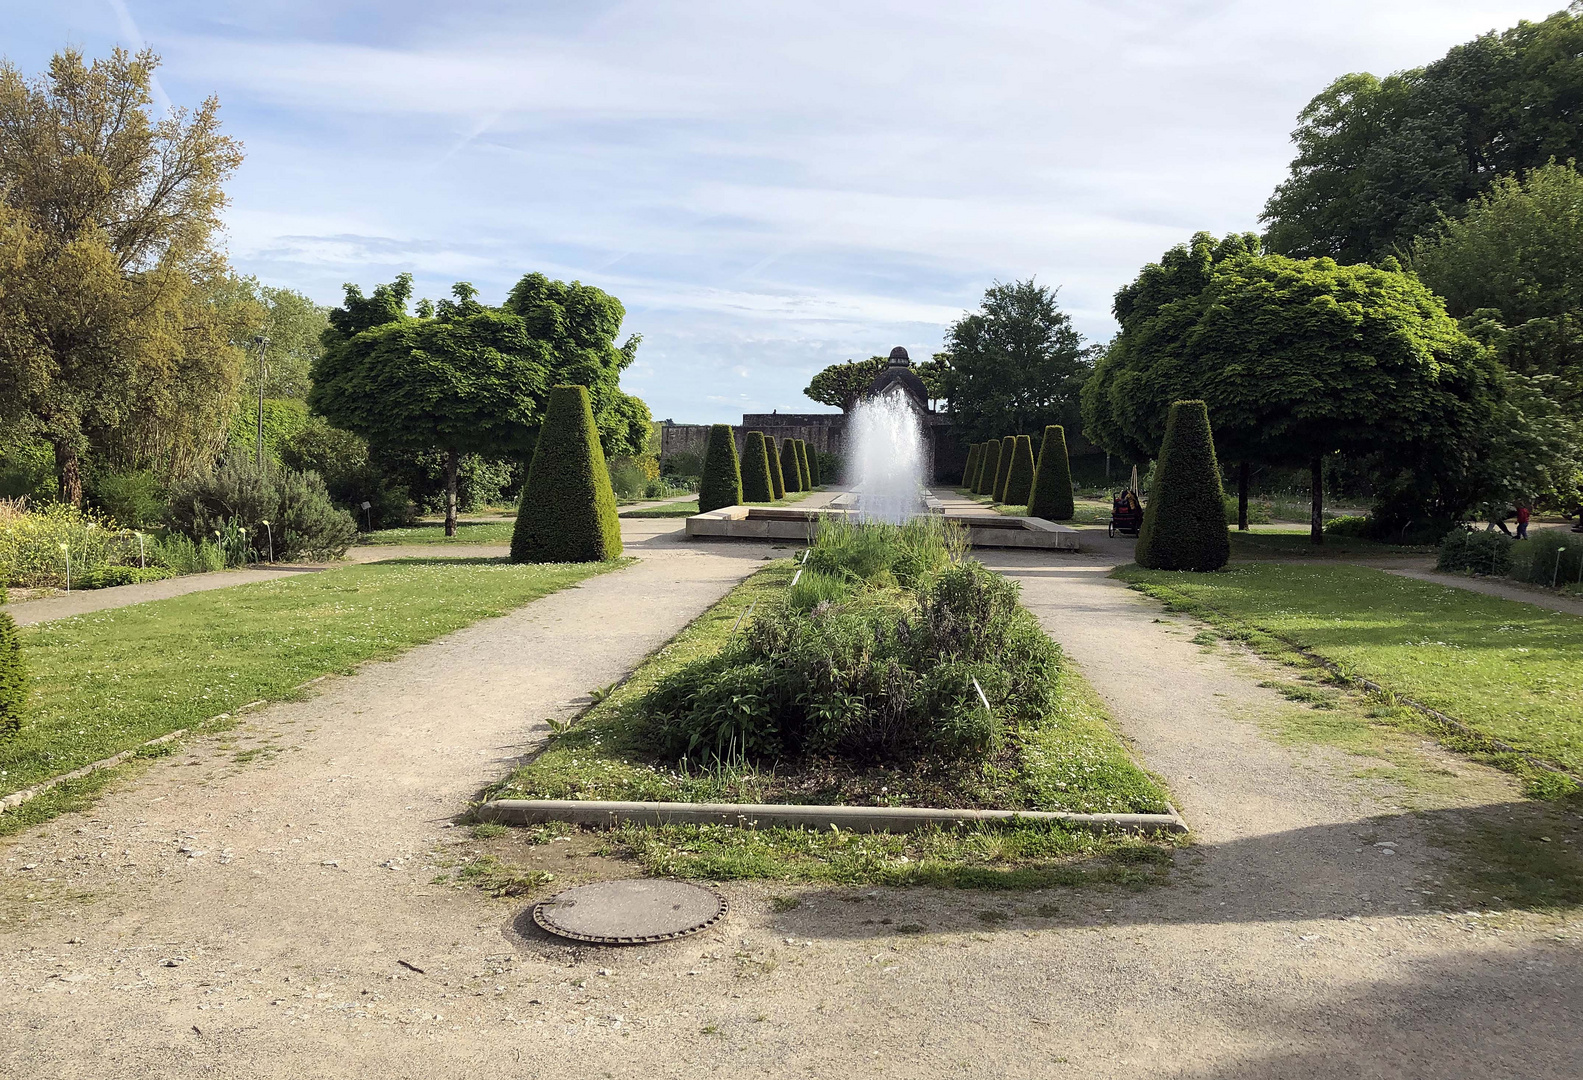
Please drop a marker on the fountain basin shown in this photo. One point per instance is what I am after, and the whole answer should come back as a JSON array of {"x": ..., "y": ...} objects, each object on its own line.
[{"x": 798, "y": 525}]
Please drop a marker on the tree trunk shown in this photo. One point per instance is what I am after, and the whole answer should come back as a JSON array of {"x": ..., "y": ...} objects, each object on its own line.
[
  {"x": 450, "y": 493},
  {"x": 68, "y": 469},
  {"x": 1242, "y": 497},
  {"x": 1316, "y": 518}
]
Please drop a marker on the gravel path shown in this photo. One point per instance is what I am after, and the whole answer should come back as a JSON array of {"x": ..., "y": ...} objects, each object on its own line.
[{"x": 275, "y": 918}]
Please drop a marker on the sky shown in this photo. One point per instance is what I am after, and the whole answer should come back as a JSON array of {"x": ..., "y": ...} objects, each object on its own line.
[{"x": 768, "y": 188}]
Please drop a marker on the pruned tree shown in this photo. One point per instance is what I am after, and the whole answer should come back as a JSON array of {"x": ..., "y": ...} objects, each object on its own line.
[{"x": 841, "y": 385}]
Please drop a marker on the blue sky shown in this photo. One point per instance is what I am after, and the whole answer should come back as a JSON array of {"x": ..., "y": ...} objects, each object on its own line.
[{"x": 768, "y": 187}]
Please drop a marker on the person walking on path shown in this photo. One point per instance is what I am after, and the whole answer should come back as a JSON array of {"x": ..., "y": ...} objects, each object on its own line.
[{"x": 1524, "y": 512}]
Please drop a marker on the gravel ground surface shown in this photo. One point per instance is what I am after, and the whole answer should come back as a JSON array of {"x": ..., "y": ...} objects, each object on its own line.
[{"x": 261, "y": 904}]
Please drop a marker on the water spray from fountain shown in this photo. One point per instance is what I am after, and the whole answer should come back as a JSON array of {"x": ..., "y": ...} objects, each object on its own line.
[{"x": 885, "y": 443}]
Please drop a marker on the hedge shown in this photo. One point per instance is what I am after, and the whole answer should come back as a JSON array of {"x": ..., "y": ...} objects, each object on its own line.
[
  {"x": 813, "y": 465},
  {"x": 1052, "y": 480},
  {"x": 1003, "y": 468},
  {"x": 721, "y": 483},
  {"x": 568, "y": 511},
  {"x": 1184, "y": 525},
  {"x": 777, "y": 475},
  {"x": 1019, "y": 479},
  {"x": 756, "y": 483},
  {"x": 802, "y": 464},
  {"x": 793, "y": 467},
  {"x": 986, "y": 472},
  {"x": 13, "y": 676},
  {"x": 970, "y": 470}
]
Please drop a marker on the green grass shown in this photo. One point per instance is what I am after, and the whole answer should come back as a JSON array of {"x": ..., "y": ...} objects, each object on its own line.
[
  {"x": 1508, "y": 670},
  {"x": 433, "y": 532},
  {"x": 1274, "y": 543},
  {"x": 108, "y": 681},
  {"x": 1075, "y": 763}
]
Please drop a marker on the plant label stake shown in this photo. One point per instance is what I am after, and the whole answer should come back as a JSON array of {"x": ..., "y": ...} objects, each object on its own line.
[
  {"x": 744, "y": 615},
  {"x": 795, "y": 576},
  {"x": 67, "y": 549},
  {"x": 1557, "y": 571},
  {"x": 271, "y": 534},
  {"x": 982, "y": 698}
]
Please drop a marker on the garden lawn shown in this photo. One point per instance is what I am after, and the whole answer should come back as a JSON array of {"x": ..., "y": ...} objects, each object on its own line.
[
  {"x": 106, "y": 682},
  {"x": 1509, "y": 670},
  {"x": 433, "y": 532},
  {"x": 1274, "y": 542}
]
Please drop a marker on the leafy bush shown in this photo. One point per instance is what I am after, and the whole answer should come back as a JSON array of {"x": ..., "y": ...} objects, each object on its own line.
[
  {"x": 1463, "y": 550},
  {"x": 1008, "y": 446},
  {"x": 134, "y": 499},
  {"x": 13, "y": 676},
  {"x": 568, "y": 511},
  {"x": 886, "y": 675},
  {"x": 685, "y": 465},
  {"x": 627, "y": 479},
  {"x": 350, "y": 475},
  {"x": 1184, "y": 523},
  {"x": 105, "y": 577},
  {"x": 1350, "y": 525},
  {"x": 986, "y": 472},
  {"x": 721, "y": 483},
  {"x": 31, "y": 541},
  {"x": 1052, "y": 480},
  {"x": 756, "y": 483},
  {"x": 186, "y": 556},
  {"x": 1019, "y": 478},
  {"x": 830, "y": 467},
  {"x": 1540, "y": 560},
  {"x": 235, "y": 499}
]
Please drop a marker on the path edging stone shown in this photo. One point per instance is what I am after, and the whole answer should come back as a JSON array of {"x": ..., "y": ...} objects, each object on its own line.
[{"x": 605, "y": 813}]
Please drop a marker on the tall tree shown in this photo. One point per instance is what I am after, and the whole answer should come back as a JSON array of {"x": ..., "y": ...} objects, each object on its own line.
[
  {"x": 1380, "y": 160},
  {"x": 1014, "y": 365},
  {"x": 467, "y": 379},
  {"x": 841, "y": 385},
  {"x": 1296, "y": 360},
  {"x": 108, "y": 257}
]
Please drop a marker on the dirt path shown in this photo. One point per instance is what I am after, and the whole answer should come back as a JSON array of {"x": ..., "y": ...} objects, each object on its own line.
[{"x": 265, "y": 919}]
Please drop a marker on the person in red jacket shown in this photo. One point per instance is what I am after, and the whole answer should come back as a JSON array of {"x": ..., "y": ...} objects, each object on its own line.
[{"x": 1523, "y": 514}]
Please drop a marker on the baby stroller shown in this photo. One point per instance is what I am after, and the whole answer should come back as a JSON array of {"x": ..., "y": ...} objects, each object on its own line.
[{"x": 1126, "y": 514}]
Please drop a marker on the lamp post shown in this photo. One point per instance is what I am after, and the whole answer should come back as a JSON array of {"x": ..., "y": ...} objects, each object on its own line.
[
  {"x": 271, "y": 534},
  {"x": 1554, "y": 574},
  {"x": 67, "y": 549}
]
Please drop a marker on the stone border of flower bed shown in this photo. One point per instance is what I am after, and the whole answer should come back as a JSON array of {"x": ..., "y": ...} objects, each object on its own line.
[{"x": 897, "y": 819}]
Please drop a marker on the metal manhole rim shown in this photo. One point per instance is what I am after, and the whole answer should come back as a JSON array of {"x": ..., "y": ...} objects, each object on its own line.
[{"x": 539, "y": 919}]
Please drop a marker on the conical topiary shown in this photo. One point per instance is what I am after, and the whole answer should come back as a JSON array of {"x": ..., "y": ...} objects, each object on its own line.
[
  {"x": 1052, "y": 479},
  {"x": 1019, "y": 479},
  {"x": 978, "y": 470},
  {"x": 13, "y": 675},
  {"x": 789, "y": 465},
  {"x": 1003, "y": 468},
  {"x": 721, "y": 483},
  {"x": 1184, "y": 525},
  {"x": 777, "y": 477},
  {"x": 986, "y": 471},
  {"x": 756, "y": 483},
  {"x": 802, "y": 465},
  {"x": 971, "y": 466},
  {"x": 814, "y": 474},
  {"x": 568, "y": 511}
]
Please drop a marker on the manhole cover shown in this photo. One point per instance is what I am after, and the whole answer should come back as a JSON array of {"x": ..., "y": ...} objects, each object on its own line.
[{"x": 630, "y": 912}]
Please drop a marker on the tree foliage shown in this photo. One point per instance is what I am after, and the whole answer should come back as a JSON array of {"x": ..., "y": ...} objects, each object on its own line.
[
  {"x": 1016, "y": 363},
  {"x": 117, "y": 327},
  {"x": 1380, "y": 160},
  {"x": 1296, "y": 359},
  {"x": 568, "y": 511},
  {"x": 1184, "y": 523},
  {"x": 840, "y": 385}
]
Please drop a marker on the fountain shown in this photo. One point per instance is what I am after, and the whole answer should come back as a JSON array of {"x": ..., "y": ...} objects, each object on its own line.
[
  {"x": 889, "y": 466},
  {"x": 886, "y": 458}
]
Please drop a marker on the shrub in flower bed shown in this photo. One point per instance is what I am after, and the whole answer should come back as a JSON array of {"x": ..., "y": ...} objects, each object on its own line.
[
  {"x": 105, "y": 577},
  {"x": 873, "y": 660}
]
